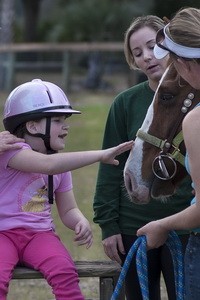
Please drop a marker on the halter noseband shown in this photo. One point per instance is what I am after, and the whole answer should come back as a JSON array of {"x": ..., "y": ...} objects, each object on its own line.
[{"x": 162, "y": 144}]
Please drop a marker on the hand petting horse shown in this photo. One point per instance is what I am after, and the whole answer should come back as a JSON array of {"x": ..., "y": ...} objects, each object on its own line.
[{"x": 155, "y": 165}]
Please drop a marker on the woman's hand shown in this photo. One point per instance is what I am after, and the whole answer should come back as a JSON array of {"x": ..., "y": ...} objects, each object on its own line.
[
  {"x": 112, "y": 246},
  {"x": 155, "y": 233},
  {"x": 8, "y": 141}
]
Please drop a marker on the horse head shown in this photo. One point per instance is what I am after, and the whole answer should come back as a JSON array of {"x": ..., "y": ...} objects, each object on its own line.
[{"x": 155, "y": 165}]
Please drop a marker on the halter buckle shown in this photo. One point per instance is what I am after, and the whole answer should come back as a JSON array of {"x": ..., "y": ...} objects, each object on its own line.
[{"x": 161, "y": 165}]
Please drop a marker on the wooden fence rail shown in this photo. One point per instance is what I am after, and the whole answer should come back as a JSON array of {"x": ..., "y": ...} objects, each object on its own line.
[
  {"x": 61, "y": 47},
  {"x": 8, "y": 60},
  {"x": 107, "y": 272}
]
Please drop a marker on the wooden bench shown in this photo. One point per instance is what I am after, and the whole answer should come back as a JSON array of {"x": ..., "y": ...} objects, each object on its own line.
[{"x": 107, "y": 271}]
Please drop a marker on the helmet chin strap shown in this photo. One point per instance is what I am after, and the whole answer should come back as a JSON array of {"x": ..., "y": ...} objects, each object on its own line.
[
  {"x": 49, "y": 151},
  {"x": 46, "y": 138}
]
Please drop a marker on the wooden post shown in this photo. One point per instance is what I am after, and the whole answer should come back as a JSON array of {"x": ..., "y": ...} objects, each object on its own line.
[
  {"x": 105, "y": 288},
  {"x": 10, "y": 70},
  {"x": 65, "y": 71}
]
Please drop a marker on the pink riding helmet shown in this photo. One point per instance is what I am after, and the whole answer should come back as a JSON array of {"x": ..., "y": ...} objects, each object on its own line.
[{"x": 35, "y": 100}]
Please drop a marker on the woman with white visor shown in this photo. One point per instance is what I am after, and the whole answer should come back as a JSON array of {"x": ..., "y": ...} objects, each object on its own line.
[{"x": 181, "y": 39}]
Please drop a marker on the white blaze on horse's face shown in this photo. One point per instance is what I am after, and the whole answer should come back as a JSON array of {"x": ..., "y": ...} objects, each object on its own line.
[{"x": 137, "y": 189}]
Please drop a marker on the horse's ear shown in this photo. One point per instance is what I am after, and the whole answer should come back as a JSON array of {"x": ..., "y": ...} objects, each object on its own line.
[{"x": 166, "y": 20}]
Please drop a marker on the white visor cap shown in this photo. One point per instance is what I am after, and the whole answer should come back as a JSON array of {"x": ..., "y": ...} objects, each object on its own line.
[{"x": 180, "y": 50}]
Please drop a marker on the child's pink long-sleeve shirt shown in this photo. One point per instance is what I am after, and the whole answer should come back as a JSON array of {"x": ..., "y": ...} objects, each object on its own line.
[{"x": 23, "y": 196}]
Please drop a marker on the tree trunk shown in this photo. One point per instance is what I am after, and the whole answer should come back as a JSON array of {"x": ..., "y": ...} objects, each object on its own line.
[
  {"x": 6, "y": 37},
  {"x": 31, "y": 13}
]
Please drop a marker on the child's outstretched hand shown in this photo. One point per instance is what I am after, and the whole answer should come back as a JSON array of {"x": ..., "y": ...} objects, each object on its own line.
[
  {"x": 108, "y": 155},
  {"x": 83, "y": 233}
]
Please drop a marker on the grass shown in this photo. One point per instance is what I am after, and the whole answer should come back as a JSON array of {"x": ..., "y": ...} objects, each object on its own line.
[{"x": 86, "y": 132}]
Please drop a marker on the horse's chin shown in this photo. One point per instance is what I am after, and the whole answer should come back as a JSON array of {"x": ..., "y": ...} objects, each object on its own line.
[
  {"x": 139, "y": 201},
  {"x": 162, "y": 189},
  {"x": 138, "y": 193},
  {"x": 140, "y": 198},
  {"x": 163, "y": 199}
]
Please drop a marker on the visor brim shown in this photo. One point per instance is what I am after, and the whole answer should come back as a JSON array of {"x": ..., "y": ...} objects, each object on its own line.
[
  {"x": 64, "y": 111},
  {"x": 160, "y": 53}
]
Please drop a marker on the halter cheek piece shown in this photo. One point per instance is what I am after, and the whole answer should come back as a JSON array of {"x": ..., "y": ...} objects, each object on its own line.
[
  {"x": 165, "y": 158},
  {"x": 49, "y": 151}
]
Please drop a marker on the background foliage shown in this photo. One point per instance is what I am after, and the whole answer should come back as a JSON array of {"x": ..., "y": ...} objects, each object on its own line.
[{"x": 81, "y": 20}]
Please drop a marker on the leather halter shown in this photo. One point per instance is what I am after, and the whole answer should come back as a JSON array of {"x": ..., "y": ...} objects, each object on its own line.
[
  {"x": 159, "y": 143},
  {"x": 172, "y": 142}
]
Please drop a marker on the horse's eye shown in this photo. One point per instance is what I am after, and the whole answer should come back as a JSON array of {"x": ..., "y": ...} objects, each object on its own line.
[{"x": 166, "y": 97}]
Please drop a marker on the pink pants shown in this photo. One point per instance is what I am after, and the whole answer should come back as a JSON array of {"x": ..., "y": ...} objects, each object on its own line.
[{"x": 42, "y": 251}]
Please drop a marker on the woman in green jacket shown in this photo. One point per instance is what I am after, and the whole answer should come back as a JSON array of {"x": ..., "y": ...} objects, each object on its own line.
[{"x": 118, "y": 218}]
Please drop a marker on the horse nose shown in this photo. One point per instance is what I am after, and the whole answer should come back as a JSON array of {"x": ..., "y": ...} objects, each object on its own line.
[
  {"x": 128, "y": 183},
  {"x": 139, "y": 194}
]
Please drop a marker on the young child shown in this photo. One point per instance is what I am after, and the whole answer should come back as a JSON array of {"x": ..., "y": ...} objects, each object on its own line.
[{"x": 36, "y": 111}]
